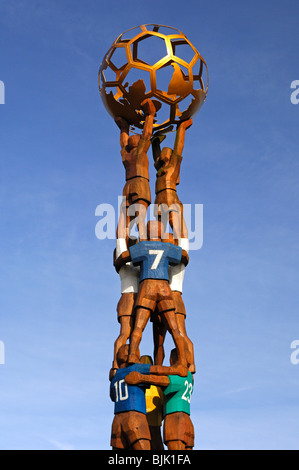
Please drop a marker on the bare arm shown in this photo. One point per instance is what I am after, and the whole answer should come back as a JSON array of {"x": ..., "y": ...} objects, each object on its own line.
[
  {"x": 149, "y": 111},
  {"x": 124, "y": 131},
  {"x": 172, "y": 370},
  {"x": 180, "y": 136},
  {"x": 124, "y": 258},
  {"x": 185, "y": 257},
  {"x": 135, "y": 378},
  {"x": 156, "y": 148}
]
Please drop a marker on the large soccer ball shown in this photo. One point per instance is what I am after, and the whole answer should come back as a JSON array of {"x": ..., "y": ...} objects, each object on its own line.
[{"x": 157, "y": 62}]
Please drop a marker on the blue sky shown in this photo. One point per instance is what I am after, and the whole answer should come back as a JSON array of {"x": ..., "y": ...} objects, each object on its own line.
[{"x": 60, "y": 159}]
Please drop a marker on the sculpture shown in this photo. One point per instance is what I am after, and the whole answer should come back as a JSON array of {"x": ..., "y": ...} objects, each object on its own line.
[{"x": 151, "y": 268}]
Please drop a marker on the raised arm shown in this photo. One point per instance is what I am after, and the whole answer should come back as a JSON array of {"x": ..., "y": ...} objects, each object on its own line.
[
  {"x": 135, "y": 378},
  {"x": 180, "y": 136},
  {"x": 149, "y": 111},
  {"x": 124, "y": 131},
  {"x": 156, "y": 147}
]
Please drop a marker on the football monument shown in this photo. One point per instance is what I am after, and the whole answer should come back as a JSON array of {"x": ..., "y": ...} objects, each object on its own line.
[{"x": 152, "y": 82}]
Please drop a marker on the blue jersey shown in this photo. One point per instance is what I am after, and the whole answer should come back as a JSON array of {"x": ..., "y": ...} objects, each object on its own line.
[
  {"x": 154, "y": 258},
  {"x": 129, "y": 397}
]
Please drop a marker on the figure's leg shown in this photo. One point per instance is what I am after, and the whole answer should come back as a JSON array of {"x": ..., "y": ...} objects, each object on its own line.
[
  {"x": 178, "y": 339},
  {"x": 175, "y": 445},
  {"x": 159, "y": 332},
  {"x": 126, "y": 327},
  {"x": 142, "y": 317},
  {"x": 182, "y": 329},
  {"x": 142, "y": 444},
  {"x": 141, "y": 211},
  {"x": 156, "y": 438}
]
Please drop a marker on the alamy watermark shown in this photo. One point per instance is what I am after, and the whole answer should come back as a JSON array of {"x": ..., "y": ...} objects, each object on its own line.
[
  {"x": 2, "y": 92},
  {"x": 295, "y": 354},
  {"x": 192, "y": 218},
  {"x": 295, "y": 94},
  {"x": 2, "y": 353}
]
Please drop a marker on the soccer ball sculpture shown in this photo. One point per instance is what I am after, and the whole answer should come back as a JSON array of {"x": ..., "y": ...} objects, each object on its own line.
[{"x": 157, "y": 62}]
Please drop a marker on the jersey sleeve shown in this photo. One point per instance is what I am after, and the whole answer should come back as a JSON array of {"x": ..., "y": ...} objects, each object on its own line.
[
  {"x": 143, "y": 368},
  {"x": 112, "y": 392},
  {"x": 175, "y": 382},
  {"x": 174, "y": 253},
  {"x": 137, "y": 254}
]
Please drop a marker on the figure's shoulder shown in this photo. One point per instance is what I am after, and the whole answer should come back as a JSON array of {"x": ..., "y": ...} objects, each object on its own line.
[
  {"x": 172, "y": 248},
  {"x": 142, "y": 368},
  {"x": 138, "y": 248}
]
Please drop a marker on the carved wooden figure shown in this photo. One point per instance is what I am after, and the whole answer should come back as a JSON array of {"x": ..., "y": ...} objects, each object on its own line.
[
  {"x": 176, "y": 278},
  {"x": 129, "y": 276},
  {"x": 134, "y": 157},
  {"x": 168, "y": 163},
  {"x": 130, "y": 428},
  {"x": 154, "y": 410},
  {"x": 178, "y": 429},
  {"x": 154, "y": 256}
]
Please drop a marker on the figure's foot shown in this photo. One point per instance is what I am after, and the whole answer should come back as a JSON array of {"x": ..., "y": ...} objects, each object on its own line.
[
  {"x": 133, "y": 359},
  {"x": 192, "y": 369}
]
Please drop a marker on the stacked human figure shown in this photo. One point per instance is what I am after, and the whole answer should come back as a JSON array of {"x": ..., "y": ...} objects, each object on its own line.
[{"x": 151, "y": 268}]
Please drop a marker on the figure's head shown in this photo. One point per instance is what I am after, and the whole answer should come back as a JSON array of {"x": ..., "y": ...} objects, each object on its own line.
[
  {"x": 146, "y": 360},
  {"x": 133, "y": 141},
  {"x": 174, "y": 357},
  {"x": 169, "y": 238},
  {"x": 123, "y": 355},
  {"x": 165, "y": 155},
  {"x": 154, "y": 230}
]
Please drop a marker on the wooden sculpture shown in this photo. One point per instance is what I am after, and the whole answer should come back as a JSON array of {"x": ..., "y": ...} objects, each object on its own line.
[{"x": 152, "y": 267}]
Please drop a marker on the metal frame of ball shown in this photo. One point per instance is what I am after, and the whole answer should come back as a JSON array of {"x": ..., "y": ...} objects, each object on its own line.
[{"x": 134, "y": 62}]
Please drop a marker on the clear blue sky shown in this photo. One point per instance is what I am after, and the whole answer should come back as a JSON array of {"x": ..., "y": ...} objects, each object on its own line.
[{"x": 60, "y": 159}]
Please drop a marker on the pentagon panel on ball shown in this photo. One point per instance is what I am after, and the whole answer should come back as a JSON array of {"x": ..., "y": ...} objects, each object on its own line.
[{"x": 157, "y": 62}]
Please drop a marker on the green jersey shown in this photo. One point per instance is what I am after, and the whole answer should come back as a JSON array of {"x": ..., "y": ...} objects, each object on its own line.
[{"x": 177, "y": 395}]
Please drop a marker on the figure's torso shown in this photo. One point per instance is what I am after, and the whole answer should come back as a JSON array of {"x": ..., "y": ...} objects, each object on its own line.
[
  {"x": 128, "y": 397},
  {"x": 168, "y": 177},
  {"x": 154, "y": 258},
  {"x": 135, "y": 163}
]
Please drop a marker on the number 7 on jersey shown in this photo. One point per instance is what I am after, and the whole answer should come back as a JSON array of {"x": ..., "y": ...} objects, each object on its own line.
[{"x": 159, "y": 254}]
